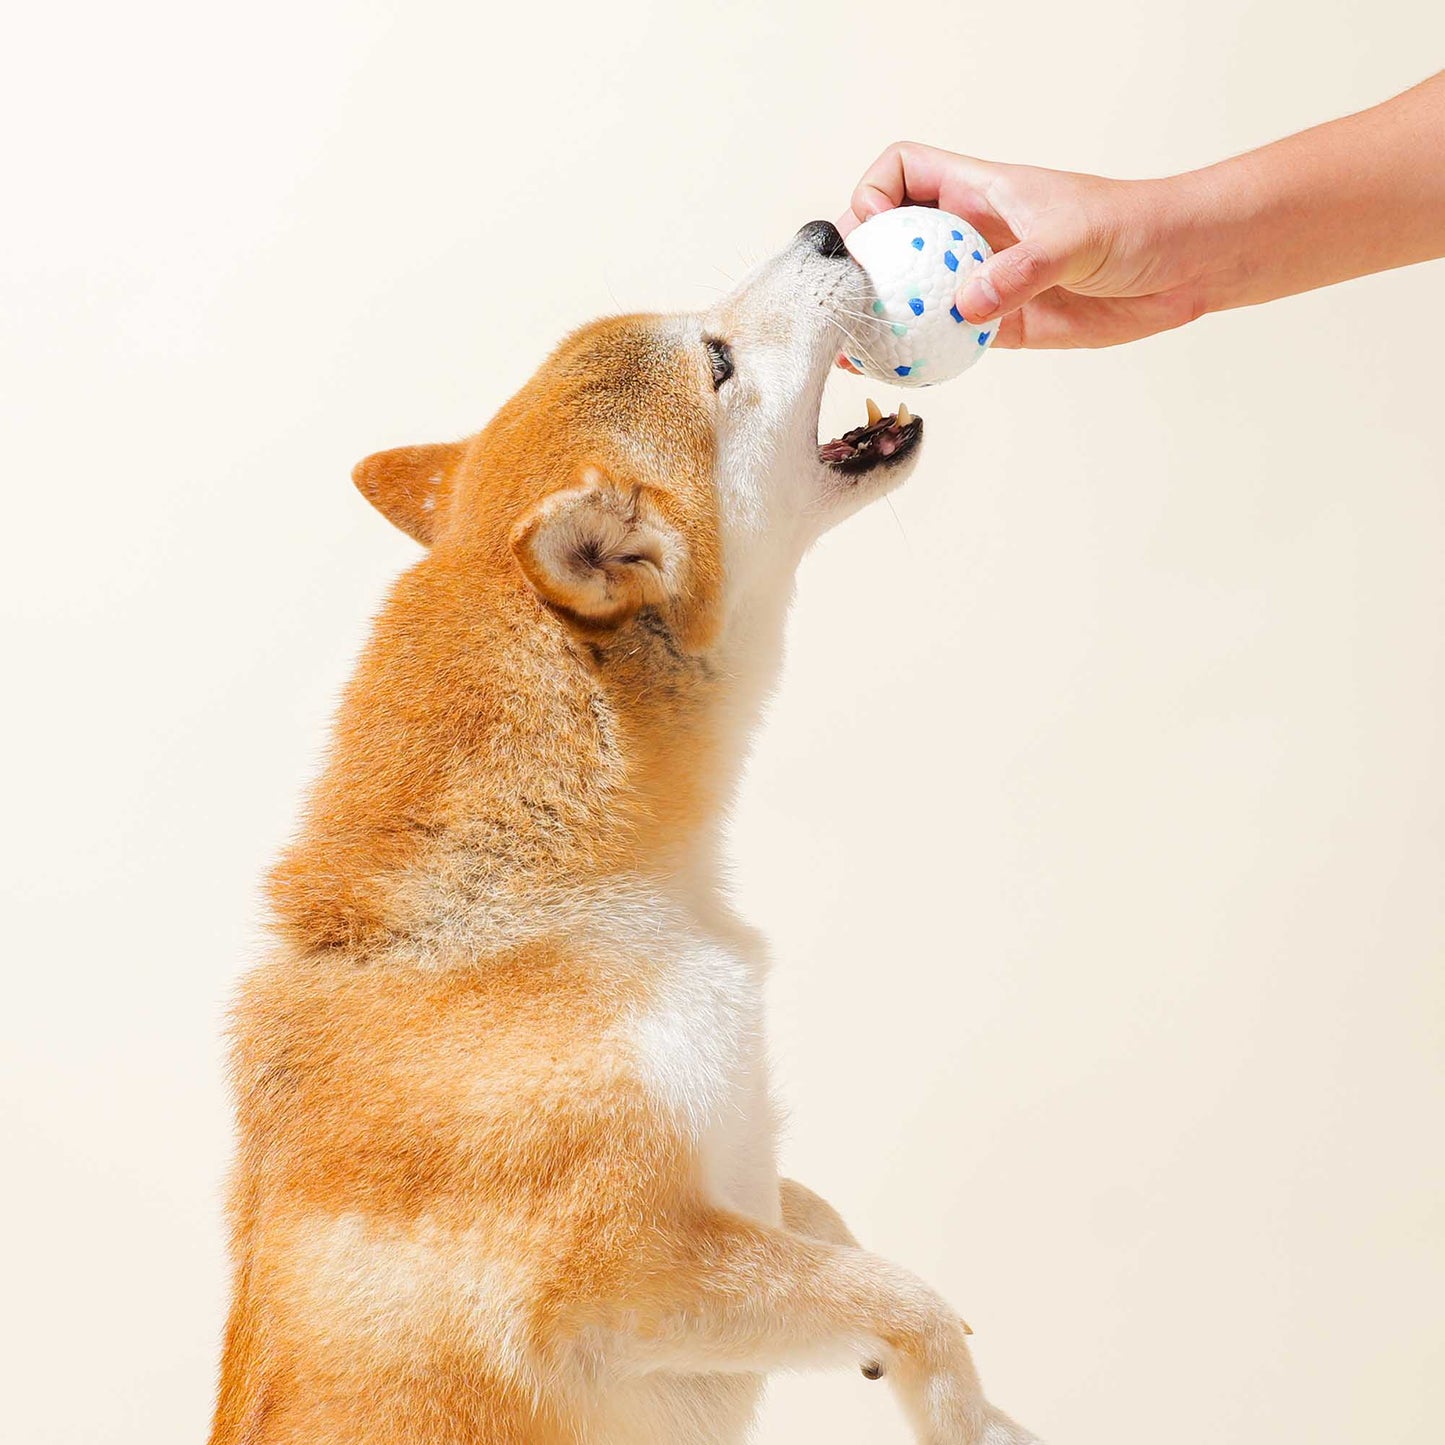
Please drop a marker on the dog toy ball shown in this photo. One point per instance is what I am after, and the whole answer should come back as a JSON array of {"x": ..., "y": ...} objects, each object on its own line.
[{"x": 914, "y": 335}]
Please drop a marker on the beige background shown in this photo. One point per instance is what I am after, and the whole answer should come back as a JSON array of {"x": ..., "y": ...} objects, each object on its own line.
[{"x": 1099, "y": 822}]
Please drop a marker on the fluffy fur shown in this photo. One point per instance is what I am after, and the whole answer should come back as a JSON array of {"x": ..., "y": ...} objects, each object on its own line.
[{"x": 506, "y": 1167}]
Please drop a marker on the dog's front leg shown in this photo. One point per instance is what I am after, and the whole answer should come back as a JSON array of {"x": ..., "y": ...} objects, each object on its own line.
[
  {"x": 728, "y": 1293},
  {"x": 810, "y": 1214},
  {"x": 805, "y": 1212}
]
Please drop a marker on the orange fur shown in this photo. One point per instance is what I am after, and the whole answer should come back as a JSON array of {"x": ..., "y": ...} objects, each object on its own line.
[
  {"x": 477, "y": 752},
  {"x": 463, "y": 1209}
]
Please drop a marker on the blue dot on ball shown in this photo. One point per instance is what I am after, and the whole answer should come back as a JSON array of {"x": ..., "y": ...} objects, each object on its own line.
[
  {"x": 902, "y": 370},
  {"x": 957, "y": 235},
  {"x": 954, "y": 312},
  {"x": 918, "y": 243},
  {"x": 983, "y": 337},
  {"x": 950, "y": 260},
  {"x": 978, "y": 255},
  {"x": 915, "y": 305}
]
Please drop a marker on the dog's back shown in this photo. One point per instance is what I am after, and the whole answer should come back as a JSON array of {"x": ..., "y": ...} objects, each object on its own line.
[{"x": 449, "y": 1134}]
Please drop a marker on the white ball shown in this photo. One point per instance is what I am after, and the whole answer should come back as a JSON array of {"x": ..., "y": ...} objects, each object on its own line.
[{"x": 914, "y": 335}]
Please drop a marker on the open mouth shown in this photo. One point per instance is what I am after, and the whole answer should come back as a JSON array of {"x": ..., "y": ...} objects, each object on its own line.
[{"x": 884, "y": 441}]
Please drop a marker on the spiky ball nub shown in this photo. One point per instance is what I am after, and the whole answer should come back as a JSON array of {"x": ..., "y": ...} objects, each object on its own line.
[{"x": 914, "y": 335}]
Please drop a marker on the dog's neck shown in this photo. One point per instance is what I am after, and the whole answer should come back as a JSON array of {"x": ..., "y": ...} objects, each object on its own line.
[{"x": 489, "y": 764}]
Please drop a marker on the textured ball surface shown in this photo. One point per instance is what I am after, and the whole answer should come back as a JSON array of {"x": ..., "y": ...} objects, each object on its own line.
[{"x": 916, "y": 257}]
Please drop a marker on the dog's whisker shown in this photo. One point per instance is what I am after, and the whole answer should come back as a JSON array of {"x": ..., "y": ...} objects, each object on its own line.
[
  {"x": 859, "y": 345},
  {"x": 907, "y": 545}
]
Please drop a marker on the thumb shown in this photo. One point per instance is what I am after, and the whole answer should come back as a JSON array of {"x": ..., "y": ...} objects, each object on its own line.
[{"x": 1013, "y": 276}]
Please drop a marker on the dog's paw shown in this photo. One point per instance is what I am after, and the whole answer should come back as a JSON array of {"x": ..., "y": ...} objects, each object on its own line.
[
  {"x": 976, "y": 1424},
  {"x": 998, "y": 1429}
]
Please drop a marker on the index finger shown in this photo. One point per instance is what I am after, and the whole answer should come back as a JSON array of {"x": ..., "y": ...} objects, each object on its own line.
[
  {"x": 905, "y": 171},
  {"x": 927, "y": 176}
]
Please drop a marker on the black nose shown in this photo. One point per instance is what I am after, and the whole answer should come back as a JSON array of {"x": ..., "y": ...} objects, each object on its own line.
[{"x": 823, "y": 237}]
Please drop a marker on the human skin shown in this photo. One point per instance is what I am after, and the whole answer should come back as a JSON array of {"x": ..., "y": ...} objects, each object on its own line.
[{"x": 1084, "y": 260}]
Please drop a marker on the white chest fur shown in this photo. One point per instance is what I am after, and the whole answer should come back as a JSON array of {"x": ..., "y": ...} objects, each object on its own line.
[{"x": 700, "y": 1046}]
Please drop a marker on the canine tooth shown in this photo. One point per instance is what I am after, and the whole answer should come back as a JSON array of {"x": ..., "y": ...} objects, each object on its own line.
[
  {"x": 875, "y": 414},
  {"x": 904, "y": 415}
]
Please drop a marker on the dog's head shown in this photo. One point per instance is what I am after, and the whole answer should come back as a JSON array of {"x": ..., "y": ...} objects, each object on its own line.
[
  {"x": 662, "y": 471},
  {"x": 564, "y": 681}
]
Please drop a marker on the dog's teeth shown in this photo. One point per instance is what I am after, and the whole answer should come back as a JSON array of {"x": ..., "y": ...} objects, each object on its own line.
[
  {"x": 904, "y": 415},
  {"x": 875, "y": 414}
]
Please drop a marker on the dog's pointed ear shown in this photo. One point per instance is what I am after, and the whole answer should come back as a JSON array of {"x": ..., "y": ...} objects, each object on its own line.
[
  {"x": 405, "y": 485},
  {"x": 599, "y": 552}
]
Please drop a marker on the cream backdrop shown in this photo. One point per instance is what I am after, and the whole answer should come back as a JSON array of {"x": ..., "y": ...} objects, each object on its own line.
[{"x": 1099, "y": 820}]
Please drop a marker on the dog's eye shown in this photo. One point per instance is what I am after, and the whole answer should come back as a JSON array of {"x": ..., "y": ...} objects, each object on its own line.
[{"x": 721, "y": 356}]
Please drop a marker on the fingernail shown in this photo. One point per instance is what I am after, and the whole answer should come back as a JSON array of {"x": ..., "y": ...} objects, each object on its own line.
[{"x": 977, "y": 299}]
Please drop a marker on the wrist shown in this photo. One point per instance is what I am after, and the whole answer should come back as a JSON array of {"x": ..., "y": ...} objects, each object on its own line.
[{"x": 1199, "y": 234}]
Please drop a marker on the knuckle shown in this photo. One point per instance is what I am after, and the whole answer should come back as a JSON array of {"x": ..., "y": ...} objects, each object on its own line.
[{"x": 1025, "y": 267}]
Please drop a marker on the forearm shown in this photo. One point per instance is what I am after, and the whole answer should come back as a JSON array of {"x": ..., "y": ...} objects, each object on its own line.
[{"x": 1362, "y": 194}]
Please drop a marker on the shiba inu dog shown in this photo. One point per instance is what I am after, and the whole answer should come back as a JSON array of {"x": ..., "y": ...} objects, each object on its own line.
[{"x": 507, "y": 1168}]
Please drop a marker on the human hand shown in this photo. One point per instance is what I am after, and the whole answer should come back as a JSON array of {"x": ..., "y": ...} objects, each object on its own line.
[{"x": 1079, "y": 260}]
